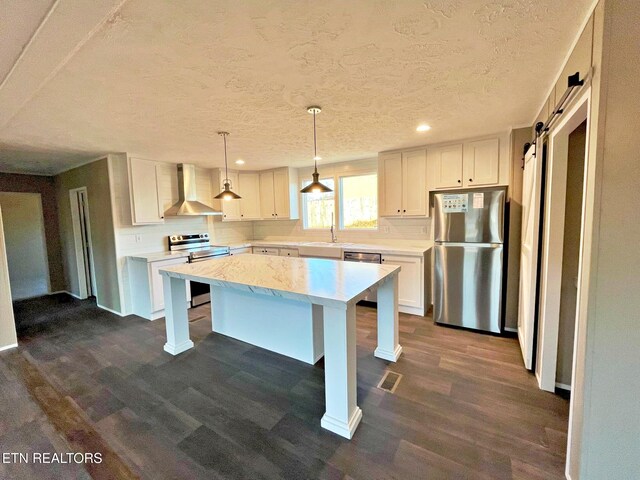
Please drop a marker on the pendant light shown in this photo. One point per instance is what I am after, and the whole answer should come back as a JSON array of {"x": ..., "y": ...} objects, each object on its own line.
[
  {"x": 315, "y": 186},
  {"x": 226, "y": 193}
]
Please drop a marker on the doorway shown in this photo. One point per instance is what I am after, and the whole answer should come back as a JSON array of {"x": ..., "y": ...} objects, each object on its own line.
[
  {"x": 82, "y": 239},
  {"x": 571, "y": 255},
  {"x": 561, "y": 247},
  {"x": 26, "y": 244}
]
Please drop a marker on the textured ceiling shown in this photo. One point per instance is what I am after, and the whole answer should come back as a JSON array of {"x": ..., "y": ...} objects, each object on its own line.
[
  {"x": 19, "y": 19},
  {"x": 159, "y": 79}
]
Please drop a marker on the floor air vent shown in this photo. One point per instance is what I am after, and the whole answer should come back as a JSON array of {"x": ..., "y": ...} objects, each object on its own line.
[{"x": 390, "y": 381}]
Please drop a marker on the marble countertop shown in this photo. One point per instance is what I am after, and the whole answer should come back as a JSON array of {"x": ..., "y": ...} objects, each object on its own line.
[
  {"x": 157, "y": 256},
  {"x": 391, "y": 247},
  {"x": 398, "y": 247},
  {"x": 320, "y": 281}
]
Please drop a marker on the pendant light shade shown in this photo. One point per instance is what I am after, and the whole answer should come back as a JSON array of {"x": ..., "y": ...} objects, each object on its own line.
[
  {"x": 226, "y": 193},
  {"x": 315, "y": 186}
]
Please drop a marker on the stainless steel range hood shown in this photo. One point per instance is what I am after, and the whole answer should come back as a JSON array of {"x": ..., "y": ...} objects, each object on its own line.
[{"x": 187, "y": 203}]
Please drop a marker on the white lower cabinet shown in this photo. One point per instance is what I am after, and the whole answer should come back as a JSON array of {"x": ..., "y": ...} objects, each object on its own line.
[
  {"x": 265, "y": 251},
  {"x": 411, "y": 282},
  {"x": 240, "y": 251},
  {"x": 146, "y": 286},
  {"x": 288, "y": 252}
]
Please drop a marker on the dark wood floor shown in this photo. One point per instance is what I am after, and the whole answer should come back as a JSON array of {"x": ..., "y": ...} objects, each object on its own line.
[{"x": 465, "y": 407}]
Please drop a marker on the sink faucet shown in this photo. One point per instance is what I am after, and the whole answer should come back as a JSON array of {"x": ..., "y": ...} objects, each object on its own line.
[{"x": 334, "y": 239}]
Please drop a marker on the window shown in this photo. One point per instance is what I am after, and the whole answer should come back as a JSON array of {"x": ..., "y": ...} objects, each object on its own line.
[
  {"x": 318, "y": 208},
  {"x": 359, "y": 202}
]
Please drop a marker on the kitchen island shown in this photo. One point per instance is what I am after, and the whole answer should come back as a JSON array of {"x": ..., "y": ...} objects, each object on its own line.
[{"x": 301, "y": 307}]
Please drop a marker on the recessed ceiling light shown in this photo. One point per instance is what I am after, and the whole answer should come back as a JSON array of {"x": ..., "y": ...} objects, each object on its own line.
[
  {"x": 423, "y": 128},
  {"x": 239, "y": 162}
]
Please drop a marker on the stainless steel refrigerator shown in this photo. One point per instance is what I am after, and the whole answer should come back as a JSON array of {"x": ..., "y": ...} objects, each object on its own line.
[{"x": 468, "y": 263}]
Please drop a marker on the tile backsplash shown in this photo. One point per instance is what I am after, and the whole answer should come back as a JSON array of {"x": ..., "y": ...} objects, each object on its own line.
[{"x": 388, "y": 228}]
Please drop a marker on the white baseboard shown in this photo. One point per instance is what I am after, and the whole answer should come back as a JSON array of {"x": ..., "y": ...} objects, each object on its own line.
[
  {"x": 563, "y": 386},
  {"x": 411, "y": 310},
  {"x": 110, "y": 310},
  {"x": 7, "y": 347},
  {"x": 510, "y": 329}
]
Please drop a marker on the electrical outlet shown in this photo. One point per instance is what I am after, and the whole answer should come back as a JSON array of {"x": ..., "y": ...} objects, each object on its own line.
[
  {"x": 423, "y": 230},
  {"x": 138, "y": 238},
  {"x": 385, "y": 229}
]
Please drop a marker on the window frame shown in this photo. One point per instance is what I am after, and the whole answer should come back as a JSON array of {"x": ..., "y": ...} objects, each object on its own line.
[{"x": 340, "y": 223}]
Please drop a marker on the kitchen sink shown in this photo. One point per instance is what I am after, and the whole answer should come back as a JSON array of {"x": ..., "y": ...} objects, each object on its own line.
[
  {"x": 322, "y": 249},
  {"x": 328, "y": 244}
]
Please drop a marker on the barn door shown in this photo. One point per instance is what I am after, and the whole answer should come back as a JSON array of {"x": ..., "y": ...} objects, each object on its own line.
[{"x": 531, "y": 193}]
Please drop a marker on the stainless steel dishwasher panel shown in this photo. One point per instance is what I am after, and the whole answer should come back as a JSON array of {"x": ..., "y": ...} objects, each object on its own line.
[{"x": 364, "y": 257}]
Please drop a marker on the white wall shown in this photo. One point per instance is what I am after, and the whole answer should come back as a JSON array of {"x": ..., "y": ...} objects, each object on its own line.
[
  {"x": 518, "y": 138},
  {"x": 95, "y": 177},
  {"x": 25, "y": 244},
  {"x": 8, "y": 336},
  {"x": 605, "y": 408}
]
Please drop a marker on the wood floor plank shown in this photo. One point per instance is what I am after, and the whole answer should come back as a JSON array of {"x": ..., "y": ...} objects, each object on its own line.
[{"x": 465, "y": 407}]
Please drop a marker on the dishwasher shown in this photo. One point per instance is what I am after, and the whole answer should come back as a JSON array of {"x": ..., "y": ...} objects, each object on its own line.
[{"x": 364, "y": 258}]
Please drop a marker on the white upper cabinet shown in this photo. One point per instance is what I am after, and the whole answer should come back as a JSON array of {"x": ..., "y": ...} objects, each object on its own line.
[
  {"x": 249, "y": 190},
  {"x": 481, "y": 162},
  {"x": 167, "y": 178},
  {"x": 143, "y": 191},
  {"x": 414, "y": 183},
  {"x": 283, "y": 196},
  {"x": 474, "y": 163},
  {"x": 403, "y": 183},
  {"x": 447, "y": 166},
  {"x": 390, "y": 184},
  {"x": 279, "y": 194},
  {"x": 267, "y": 193}
]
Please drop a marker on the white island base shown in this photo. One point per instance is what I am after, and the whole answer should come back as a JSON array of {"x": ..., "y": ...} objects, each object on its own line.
[
  {"x": 288, "y": 327},
  {"x": 301, "y": 325}
]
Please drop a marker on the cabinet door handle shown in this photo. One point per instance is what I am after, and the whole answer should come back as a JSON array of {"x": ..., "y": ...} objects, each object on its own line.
[
  {"x": 471, "y": 179},
  {"x": 404, "y": 211},
  {"x": 459, "y": 181},
  {"x": 398, "y": 211}
]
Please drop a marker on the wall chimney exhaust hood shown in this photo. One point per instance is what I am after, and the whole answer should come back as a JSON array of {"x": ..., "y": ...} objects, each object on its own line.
[{"x": 187, "y": 203}]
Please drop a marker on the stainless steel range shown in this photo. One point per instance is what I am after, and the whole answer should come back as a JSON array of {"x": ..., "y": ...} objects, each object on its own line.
[{"x": 199, "y": 249}]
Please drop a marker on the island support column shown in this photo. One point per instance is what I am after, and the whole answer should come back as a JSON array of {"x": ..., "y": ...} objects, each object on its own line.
[
  {"x": 342, "y": 415},
  {"x": 176, "y": 316},
  {"x": 388, "y": 332}
]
